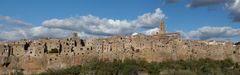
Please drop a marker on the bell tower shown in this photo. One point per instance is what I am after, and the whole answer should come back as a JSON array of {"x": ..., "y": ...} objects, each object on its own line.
[
  {"x": 74, "y": 35},
  {"x": 162, "y": 27},
  {"x": 75, "y": 38}
]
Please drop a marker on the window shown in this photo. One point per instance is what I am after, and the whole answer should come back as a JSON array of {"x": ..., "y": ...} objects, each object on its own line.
[
  {"x": 234, "y": 52},
  {"x": 137, "y": 50},
  {"x": 111, "y": 49}
]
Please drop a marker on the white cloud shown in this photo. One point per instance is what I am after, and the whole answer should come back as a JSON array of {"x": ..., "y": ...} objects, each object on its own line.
[
  {"x": 13, "y": 35},
  {"x": 206, "y": 33},
  {"x": 91, "y": 25},
  {"x": 33, "y": 33},
  {"x": 151, "y": 31},
  {"x": 41, "y": 32},
  {"x": 150, "y": 20},
  {"x": 102, "y": 26},
  {"x": 15, "y": 21}
]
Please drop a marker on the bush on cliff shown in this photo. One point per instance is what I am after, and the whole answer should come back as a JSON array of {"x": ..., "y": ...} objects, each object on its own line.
[
  {"x": 133, "y": 67},
  {"x": 54, "y": 50}
]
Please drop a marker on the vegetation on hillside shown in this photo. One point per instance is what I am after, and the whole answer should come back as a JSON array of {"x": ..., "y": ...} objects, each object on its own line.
[{"x": 133, "y": 67}]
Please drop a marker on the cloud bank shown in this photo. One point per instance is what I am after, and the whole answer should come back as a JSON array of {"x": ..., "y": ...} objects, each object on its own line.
[
  {"x": 13, "y": 21},
  {"x": 102, "y": 26},
  {"x": 93, "y": 26},
  {"x": 209, "y": 33},
  {"x": 86, "y": 26}
]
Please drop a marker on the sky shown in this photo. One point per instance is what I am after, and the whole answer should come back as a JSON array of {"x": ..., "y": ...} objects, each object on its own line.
[{"x": 194, "y": 19}]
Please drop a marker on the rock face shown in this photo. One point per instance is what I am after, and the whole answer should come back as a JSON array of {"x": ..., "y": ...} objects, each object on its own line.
[{"x": 39, "y": 55}]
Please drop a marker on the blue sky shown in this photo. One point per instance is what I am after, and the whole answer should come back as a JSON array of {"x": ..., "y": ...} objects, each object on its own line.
[{"x": 191, "y": 21}]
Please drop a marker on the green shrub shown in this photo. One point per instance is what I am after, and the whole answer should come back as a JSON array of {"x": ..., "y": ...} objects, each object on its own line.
[
  {"x": 54, "y": 50},
  {"x": 132, "y": 67}
]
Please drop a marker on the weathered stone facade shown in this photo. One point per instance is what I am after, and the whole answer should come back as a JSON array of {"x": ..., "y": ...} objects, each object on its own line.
[{"x": 34, "y": 56}]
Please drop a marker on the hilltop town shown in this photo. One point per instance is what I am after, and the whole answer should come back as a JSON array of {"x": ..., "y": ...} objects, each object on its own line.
[{"x": 34, "y": 56}]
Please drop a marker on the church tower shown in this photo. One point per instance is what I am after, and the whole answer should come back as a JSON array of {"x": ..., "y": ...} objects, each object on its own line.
[
  {"x": 75, "y": 38},
  {"x": 162, "y": 27},
  {"x": 74, "y": 35}
]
